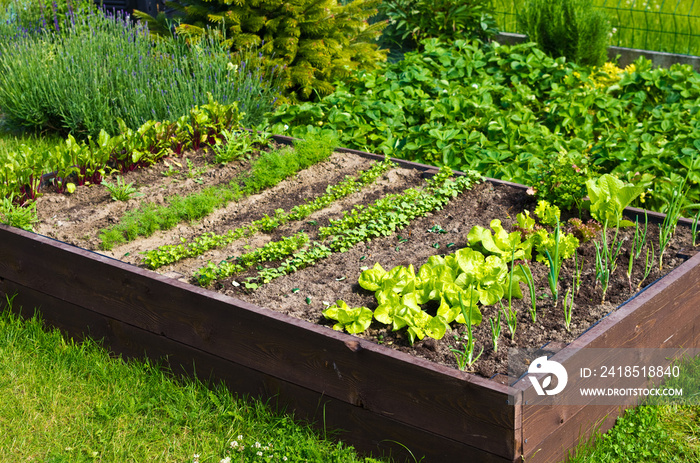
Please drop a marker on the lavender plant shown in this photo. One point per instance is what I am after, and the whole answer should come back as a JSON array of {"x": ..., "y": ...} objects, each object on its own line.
[{"x": 101, "y": 68}]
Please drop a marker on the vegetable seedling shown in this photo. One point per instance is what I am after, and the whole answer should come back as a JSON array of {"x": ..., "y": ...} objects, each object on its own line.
[
  {"x": 495, "y": 330},
  {"x": 554, "y": 265},
  {"x": 466, "y": 358},
  {"x": 648, "y": 266},
  {"x": 568, "y": 308},
  {"x": 668, "y": 227},
  {"x": 525, "y": 269},
  {"x": 511, "y": 316},
  {"x": 120, "y": 191}
]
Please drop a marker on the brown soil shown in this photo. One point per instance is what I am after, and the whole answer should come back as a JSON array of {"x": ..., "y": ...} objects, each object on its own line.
[{"x": 78, "y": 218}]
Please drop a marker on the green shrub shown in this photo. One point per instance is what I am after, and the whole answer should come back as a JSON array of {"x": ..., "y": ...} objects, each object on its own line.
[
  {"x": 562, "y": 176},
  {"x": 570, "y": 28},
  {"x": 104, "y": 68},
  {"x": 315, "y": 41},
  {"x": 410, "y": 21}
]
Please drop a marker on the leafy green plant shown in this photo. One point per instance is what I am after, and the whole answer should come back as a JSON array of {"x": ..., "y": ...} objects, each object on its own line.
[
  {"x": 267, "y": 170},
  {"x": 235, "y": 144},
  {"x": 569, "y": 28},
  {"x": 561, "y": 178},
  {"x": 694, "y": 227},
  {"x": 355, "y": 320},
  {"x": 447, "y": 20},
  {"x": 583, "y": 231},
  {"x": 120, "y": 191},
  {"x": 555, "y": 263},
  {"x": 609, "y": 196},
  {"x": 501, "y": 243},
  {"x": 640, "y": 237},
  {"x": 508, "y": 111},
  {"x": 167, "y": 254},
  {"x": 466, "y": 357},
  {"x": 364, "y": 223},
  {"x": 20, "y": 216},
  {"x": 274, "y": 250}
]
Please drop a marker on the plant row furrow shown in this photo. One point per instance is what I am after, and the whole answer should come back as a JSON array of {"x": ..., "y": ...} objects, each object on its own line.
[
  {"x": 267, "y": 171},
  {"x": 274, "y": 250},
  {"x": 168, "y": 254},
  {"x": 363, "y": 223}
]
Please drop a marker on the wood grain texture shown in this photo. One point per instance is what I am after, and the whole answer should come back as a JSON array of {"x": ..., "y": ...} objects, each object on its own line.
[
  {"x": 369, "y": 432},
  {"x": 456, "y": 405},
  {"x": 663, "y": 316},
  {"x": 375, "y": 393}
]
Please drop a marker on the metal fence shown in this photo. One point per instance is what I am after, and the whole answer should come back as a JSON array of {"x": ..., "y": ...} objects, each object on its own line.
[{"x": 671, "y": 26}]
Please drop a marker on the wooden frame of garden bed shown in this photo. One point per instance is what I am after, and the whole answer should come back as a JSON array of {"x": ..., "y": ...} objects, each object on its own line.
[{"x": 375, "y": 398}]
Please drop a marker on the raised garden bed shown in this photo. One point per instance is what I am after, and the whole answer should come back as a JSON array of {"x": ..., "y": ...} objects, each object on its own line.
[{"x": 377, "y": 395}]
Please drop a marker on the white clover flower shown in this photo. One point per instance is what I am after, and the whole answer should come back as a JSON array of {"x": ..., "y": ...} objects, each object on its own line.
[
  {"x": 234, "y": 444},
  {"x": 257, "y": 445},
  {"x": 259, "y": 454},
  {"x": 225, "y": 460},
  {"x": 240, "y": 436},
  {"x": 284, "y": 458},
  {"x": 475, "y": 85}
]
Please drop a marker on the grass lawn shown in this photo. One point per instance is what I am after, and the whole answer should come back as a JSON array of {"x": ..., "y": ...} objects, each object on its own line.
[{"x": 64, "y": 401}]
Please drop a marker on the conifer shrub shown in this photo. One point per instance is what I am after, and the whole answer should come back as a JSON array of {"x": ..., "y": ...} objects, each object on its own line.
[
  {"x": 570, "y": 28},
  {"x": 315, "y": 42}
]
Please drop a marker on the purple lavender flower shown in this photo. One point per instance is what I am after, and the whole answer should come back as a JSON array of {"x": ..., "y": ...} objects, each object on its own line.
[{"x": 55, "y": 15}]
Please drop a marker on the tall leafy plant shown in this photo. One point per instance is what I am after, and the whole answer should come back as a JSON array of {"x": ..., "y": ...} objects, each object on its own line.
[
  {"x": 104, "y": 68},
  {"x": 410, "y": 21},
  {"x": 570, "y": 28}
]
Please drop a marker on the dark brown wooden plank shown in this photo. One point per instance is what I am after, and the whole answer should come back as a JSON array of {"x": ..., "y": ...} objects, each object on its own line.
[
  {"x": 368, "y": 432},
  {"x": 574, "y": 429},
  {"x": 414, "y": 391},
  {"x": 663, "y": 316}
]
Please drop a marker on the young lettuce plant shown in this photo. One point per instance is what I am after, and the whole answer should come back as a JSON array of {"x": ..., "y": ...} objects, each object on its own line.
[
  {"x": 353, "y": 320},
  {"x": 609, "y": 197}
]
